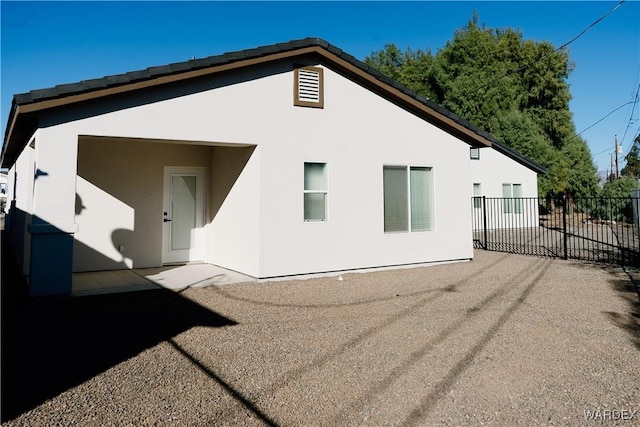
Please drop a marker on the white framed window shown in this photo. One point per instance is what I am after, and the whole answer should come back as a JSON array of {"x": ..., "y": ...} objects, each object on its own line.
[
  {"x": 315, "y": 191},
  {"x": 477, "y": 194},
  {"x": 512, "y": 198},
  {"x": 308, "y": 87},
  {"x": 408, "y": 198},
  {"x": 475, "y": 153}
]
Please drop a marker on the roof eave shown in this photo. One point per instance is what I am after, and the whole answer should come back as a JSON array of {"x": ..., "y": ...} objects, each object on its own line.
[
  {"x": 23, "y": 104},
  {"x": 514, "y": 155},
  {"x": 36, "y": 102},
  {"x": 11, "y": 123}
]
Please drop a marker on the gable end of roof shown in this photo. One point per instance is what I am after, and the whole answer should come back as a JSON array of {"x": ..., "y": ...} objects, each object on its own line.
[
  {"x": 42, "y": 99},
  {"x": 514, "y": 155}
]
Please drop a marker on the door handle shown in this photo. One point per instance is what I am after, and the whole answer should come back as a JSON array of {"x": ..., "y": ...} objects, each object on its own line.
[{"x": 166, "y": 220}]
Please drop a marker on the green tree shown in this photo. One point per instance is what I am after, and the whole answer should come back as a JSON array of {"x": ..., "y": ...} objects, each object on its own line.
[
  {"x": 620, "y": 187},
  {"x": 414, "y": 69},
  {"x": 582, "y": 179},
  {"x": 616, "y": 203},
  {"x": 525, "y": 136},
  {"x": 515, "y": 89},
  {"x": 632, "y": 168}
]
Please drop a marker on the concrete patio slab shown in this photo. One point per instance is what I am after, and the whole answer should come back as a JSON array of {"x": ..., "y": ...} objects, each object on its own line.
[{"x": 173, "y": 277}]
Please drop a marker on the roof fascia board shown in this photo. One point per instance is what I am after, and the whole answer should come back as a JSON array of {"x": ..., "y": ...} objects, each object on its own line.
[
  {"x": 514, "y": 155},
  {"x": 9, "y": 131},
  {"x": 56, "y": 102},
  {"x": 412, "y": 103},
  {"x": 329, "y": 53},
  {"x": 37, "y": 106}
]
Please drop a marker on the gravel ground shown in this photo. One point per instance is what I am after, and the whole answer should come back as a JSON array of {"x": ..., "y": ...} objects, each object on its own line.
[{"x": 503, "y": 340}]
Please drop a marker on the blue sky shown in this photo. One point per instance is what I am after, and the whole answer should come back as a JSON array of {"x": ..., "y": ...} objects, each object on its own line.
[{"x": 48, "y": 43}]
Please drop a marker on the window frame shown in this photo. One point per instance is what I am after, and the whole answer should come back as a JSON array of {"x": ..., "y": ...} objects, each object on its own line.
[
  {"x": 477, "y": 201},
  {"x": 511, "y": 204},
  {"x": 410, "y": 207},
  {"x": 517, "y": 198},
  {"x": 296, "y": 86},
  {"x": 324, "y": 191},
  {"x": 474, "y": 153}
]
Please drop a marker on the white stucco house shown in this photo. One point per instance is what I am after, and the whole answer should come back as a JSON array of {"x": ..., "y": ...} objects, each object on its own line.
[
  {"x": 509, "y": 183},
  {"x": 287, "y": 159}
]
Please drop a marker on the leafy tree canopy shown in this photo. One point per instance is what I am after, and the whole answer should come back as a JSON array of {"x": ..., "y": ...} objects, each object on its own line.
[
  {"x": 632, "y": 168},
  {"x": 620, "y": 187},
  {"x": 515, "y": 89}
]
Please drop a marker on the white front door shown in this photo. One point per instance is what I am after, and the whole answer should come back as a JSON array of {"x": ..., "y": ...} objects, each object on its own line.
[{"x": 183, "y": 216}]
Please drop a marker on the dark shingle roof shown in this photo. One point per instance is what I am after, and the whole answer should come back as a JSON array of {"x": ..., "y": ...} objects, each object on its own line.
[
  {"x": 11, "y": 150},
  {"x": 169, "y": 69}
]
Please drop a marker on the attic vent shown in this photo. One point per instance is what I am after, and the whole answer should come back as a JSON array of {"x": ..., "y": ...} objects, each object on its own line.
[
  {"x": 309, "y": 86},
  {"x": 308, "y": 90}
]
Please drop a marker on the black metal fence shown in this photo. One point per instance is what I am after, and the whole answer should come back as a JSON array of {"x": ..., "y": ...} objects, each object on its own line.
[{"x": 592, "y": 229}]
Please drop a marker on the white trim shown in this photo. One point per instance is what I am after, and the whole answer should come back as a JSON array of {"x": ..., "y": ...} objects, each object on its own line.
[{"x": 325, "y": 191}]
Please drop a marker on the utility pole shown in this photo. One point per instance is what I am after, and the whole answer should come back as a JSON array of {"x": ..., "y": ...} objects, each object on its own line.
[
  {"x": 616, "y": 146},
  {"x": 610, "y": 171}
]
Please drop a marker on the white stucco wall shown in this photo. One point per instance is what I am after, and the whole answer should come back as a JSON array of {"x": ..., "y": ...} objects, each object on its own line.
[
  {"x": 491, "y": 171},
  {"x": 494, "y": 168},
  {"x": 120, "y": 191},
  {"x": 259, "y": 228},
  {"x": 20, "y": 206},
  {"x": 232, "y": 232},
  {"x": 356, "y": 134}
]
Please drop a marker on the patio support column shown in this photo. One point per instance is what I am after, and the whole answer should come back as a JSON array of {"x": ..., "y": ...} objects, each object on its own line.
[{"x": 52, "y": 226}]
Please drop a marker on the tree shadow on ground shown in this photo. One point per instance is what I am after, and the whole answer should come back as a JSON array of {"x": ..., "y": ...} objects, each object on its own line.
[
  {"x": 50, "y": 345},
  {"x": 629, "y": 290}
]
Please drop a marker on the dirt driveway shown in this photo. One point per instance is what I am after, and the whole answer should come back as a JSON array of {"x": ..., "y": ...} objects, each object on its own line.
[{"x": 503, "y": 340}]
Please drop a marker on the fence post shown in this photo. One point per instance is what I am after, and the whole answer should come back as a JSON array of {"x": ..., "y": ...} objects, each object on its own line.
[
  {"x": 484, "y": 219},
  {"x": 564, "y": 226}
]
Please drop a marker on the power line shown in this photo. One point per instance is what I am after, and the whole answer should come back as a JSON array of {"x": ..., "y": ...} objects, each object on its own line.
[
  {"x": 637, "y": 132},
  {"x": 635, "y": 102},
  {"x": 610, "y": 113},
  {"x": 593, "y": 24},
  {"x": 524, "y": 67},
  {"x": 633, "y": 141}
]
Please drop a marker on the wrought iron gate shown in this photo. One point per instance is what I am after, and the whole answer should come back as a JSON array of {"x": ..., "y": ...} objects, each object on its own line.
[{"x": 592, "y": 229}]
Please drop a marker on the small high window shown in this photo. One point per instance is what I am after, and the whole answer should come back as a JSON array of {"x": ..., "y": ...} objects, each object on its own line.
[
  {"x": 475, "y": 153},
  {"x": 315, "y": 192},
  {"x": 477, "y": 195},
  {"x": 308, "y": 87}
]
